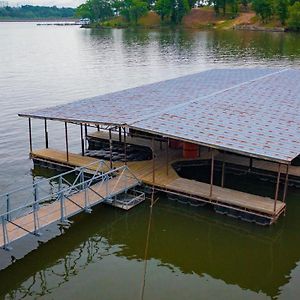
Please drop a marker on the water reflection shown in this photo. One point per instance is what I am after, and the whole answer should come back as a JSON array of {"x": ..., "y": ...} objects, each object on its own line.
[
  {"x": 190, "y": 250},
  {"x": 182, "y": 239}
]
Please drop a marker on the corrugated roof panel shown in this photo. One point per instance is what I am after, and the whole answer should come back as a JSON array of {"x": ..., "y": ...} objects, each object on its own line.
[
  {"x": 261, "y": 118},
  {"x": 126, "y": 106},
  {"x": 249, "y": 111}
]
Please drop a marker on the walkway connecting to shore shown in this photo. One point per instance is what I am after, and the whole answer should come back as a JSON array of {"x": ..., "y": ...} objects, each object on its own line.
[{"x": 90, "y": 185}]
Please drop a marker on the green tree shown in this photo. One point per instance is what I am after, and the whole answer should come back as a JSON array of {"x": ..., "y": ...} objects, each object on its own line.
[
  {"x": 179, "y": 9},
  {"x": 263, "y": 8},
  {"x": 245, "y": 4},
  {"x": 96, "y": 10},
  {"x": 217, "y": 4},
  {"x": 234, "y": 7},
  {"x": 293, "y": 21},
  {"x": 163, "y": 8},
  {"x": 192, "y": 3},
  {"x": 132, "y": 10},
  {"x": 83, "y": 11},
  {"x": 281, "y": 8}
]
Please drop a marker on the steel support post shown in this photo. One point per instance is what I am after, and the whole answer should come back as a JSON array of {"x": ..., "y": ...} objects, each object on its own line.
[
  {"x": 110, "y": 149},
  {"x": 167, "y": 156},
  {"x": 120, "y": 134},
  {"x": 106, "y": 185},
  {"x": 5, "y": 234},
  {"x": 211, "y": 173},
  {"x": 223, "y": 171},
  {"x": 46, "y": 134},
  {"x": 285, "y": 183},
  {"x": 30, "y": 135},
  {"x": 125, "y": 146},
  {"x": 277, "y": 188},
  {"x": 153, "y": 162},
  {"x": 61, "y": 199},
  {"x": 82, "y": 139},
  {"x": 85, "y": 136},
  {"x": 8, "y": 207},
  {"x": 250, "y": 164},
  {"x": 67, "y": 141},
  {"x": 35, "y": 210}
]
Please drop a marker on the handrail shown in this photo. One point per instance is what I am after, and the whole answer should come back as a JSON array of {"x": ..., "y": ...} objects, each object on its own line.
[
  {"x": 65, "y": 190},
  {"x": 57, "y": 176},
  {"x": 61, "y": 193}
]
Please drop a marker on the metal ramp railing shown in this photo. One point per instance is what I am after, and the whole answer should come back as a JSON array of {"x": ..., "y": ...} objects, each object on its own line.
[{"x": 29, "y": 209}]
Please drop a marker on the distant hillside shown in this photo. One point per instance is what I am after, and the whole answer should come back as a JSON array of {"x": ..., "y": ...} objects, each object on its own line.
[{"x": 31, "y": 12}]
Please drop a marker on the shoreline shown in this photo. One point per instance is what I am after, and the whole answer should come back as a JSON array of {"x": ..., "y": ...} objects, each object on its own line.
[
  {"x": 37, "y": 20},
  {"x": 204, "y": 27}
]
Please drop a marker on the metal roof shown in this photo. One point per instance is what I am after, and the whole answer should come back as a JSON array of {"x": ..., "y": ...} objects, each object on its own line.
[{"x": 249, "y": 111}]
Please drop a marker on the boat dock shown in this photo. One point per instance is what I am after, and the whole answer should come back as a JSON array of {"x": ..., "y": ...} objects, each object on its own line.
[
  {"x": 159, "y": 174},
  {"x": 229, "y": 119}
]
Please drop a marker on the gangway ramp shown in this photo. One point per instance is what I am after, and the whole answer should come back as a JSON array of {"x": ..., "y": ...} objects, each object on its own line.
[{"x": 58, "y": 198}]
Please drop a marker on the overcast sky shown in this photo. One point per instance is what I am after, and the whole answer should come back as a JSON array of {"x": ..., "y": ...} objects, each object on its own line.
[{"x": 59, "y": 3}]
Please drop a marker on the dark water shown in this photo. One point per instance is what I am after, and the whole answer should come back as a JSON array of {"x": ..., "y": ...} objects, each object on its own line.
[{"x": 191, "y": 253}]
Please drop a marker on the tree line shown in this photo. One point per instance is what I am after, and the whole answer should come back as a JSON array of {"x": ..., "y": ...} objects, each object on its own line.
[
  {"x": 131, "y": 10},
  {"x": 287, "y": 11},
  {"x": 35, "y": 12}
]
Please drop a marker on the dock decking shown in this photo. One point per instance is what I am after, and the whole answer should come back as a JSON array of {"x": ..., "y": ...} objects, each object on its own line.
[{"x": 171, "y": 182}]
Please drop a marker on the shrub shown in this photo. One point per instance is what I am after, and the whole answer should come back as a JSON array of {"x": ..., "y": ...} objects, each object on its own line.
[{"x": 293, "y": 21}]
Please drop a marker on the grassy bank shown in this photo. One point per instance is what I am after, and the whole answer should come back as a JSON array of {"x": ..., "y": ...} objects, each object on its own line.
[{"x": 198, "y": 18}]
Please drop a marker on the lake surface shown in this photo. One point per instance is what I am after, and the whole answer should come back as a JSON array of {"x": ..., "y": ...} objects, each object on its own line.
[{"x": 174, "y": 251}]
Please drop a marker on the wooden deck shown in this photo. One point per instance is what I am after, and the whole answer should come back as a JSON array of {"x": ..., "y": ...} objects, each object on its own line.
[
  {"x": 50, "y": 213},
  {"x": 173, "y": 183}
]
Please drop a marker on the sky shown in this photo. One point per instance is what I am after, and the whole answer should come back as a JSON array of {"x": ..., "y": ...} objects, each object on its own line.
[{"x": 59, "y": 3}]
